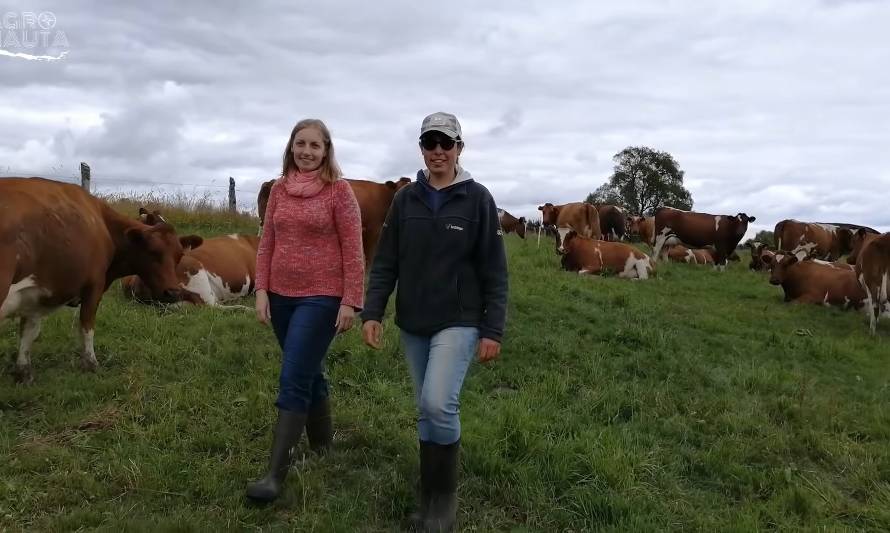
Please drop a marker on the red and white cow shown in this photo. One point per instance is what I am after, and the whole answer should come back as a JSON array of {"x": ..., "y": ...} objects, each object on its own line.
[
  {"x": 591, "y": 256},
  {"x": 60, "y": 246},
  {"x": 674, "y": 226},
  {"x": 873, "y": 275},
  {"x": 511, "y": 224},
  {"x": 695, "y": 256},
  {"x": 644, "y": 227},
  {"x": 817, "y": 282},
  {"x": 580, "y": 217}
]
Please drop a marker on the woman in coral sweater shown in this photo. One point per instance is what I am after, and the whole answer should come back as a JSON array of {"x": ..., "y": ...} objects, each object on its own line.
[{"x": 310, "y": 271}]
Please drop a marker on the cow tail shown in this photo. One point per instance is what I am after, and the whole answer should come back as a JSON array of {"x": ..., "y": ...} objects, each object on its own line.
[
  {"x": 592, "y": 215},
  {"x": 777, "y": 234},
  {"x": 7, "y": 271}
]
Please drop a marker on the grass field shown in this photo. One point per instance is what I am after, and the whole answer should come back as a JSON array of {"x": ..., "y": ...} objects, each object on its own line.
[{"x": 694, "y": 401}]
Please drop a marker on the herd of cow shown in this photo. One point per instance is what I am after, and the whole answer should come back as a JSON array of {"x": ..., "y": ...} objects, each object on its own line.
[{"x": 60, "y": 246}]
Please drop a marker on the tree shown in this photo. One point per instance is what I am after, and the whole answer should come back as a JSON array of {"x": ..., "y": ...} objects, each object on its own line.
[
  {"x": 605, "y": 194},
  {"x": 645, "y": 179},
  {"x": 764, "y": 236}
]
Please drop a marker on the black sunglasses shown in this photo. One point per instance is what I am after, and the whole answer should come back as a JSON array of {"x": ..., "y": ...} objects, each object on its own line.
[{"x": 430, "y": 142}]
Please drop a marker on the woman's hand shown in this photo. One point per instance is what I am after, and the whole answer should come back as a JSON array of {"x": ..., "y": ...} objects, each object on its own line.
[
  {"x": 488, "y": 350},
  {"x": 345, "y": 317},
  {"x": 262, "y": 306},
  {"x": 371, "y": 332}
]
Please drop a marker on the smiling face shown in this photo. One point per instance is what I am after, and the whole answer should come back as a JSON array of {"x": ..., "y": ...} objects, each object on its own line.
[
  {"x": 440, "y": 153},
  {"x": 309, "y": 149}
]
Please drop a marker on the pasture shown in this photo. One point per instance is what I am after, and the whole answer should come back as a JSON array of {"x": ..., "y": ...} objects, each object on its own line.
[{"x": 693, "y": 401}]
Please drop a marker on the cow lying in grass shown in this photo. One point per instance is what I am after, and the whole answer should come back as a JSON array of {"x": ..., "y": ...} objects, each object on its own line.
[
  {"x": 817, "y": 282},
  {"x": 589, "y": 256}
]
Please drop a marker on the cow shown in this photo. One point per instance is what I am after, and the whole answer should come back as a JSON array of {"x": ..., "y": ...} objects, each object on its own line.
[
  {"x": 681, "y": 254},
  {"x": 700, "y": 229},
  {"x": 759, "y": 251},
  {"x": 820, "y": 240},
  {"x": 221, "y": 270},
  {"x": 374, "y": 200},
  {"x": 511, "y": 224},
  {"x": 860, "y": 238},
  {"x": 579, "y": 217},
  {"x": 60, "y": 246},
  {"x": 816, "y": 281},
  {"x": 591, "y": 256},
  {"x": 873, "y": 274},
  {"x": 612, "y": 222},
  {"x": 644, "y": 227}
]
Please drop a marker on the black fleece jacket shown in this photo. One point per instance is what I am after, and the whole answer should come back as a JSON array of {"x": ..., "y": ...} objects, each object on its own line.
[{"x": 448, "y": 260}]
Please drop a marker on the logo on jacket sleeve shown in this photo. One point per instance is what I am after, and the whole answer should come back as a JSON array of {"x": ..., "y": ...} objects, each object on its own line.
[{"x": 454, "y": 227}]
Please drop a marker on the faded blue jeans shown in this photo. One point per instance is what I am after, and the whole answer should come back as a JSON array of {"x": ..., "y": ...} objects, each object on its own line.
[
  {"x": 438, "y": 365},
  {"x": 304, "y": 327}
]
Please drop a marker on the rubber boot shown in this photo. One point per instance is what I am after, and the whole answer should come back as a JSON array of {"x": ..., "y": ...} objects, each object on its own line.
[
  {"x": 319, "y": 427},
  {"x": 423, "y": 494},
  {"x": 288, "y": 430},
  {"x": 441, "y": 512}
]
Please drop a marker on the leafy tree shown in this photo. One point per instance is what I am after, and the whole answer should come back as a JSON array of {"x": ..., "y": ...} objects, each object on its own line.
[
  {"x": 764, "y": 236},
  {"x": 644, "y": 180},
  {"x": 605, "y": 194}
]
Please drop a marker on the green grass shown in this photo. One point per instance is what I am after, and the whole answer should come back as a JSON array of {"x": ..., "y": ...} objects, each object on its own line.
[{"x": 693, "y": 401}]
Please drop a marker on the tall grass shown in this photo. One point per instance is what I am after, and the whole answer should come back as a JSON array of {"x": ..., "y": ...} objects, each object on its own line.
[{"x": 693, "y": 401}]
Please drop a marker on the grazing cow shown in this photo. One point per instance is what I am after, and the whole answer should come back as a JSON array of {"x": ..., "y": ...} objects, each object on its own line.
[
  {"x": 824, "y": 241},
  {"x": 374, "y": 200},
  {"x": 644, "y": 227},
  {"x": 511, "y": 224},
  {"x": 61, "y": 246},
  {"x": 681, "y": 254},
  {"x": 580, "y": 217},
  {"x": 860, "y": 239},
  {"x": 590, "y": 256},
  {"x": 613, "y": 222},
  {"x": 873, "y": 275},
  {"x": 221, "y": 270},
  {"x": 700, "y": 229},
  {"x": 817, "y": 282}
]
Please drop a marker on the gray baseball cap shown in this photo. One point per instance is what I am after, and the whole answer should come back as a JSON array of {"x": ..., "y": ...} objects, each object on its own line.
[{"x": 442, "y": 122}]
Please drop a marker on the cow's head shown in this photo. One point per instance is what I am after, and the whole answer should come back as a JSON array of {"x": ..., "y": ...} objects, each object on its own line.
[
  {"x": 756, "y": 261},
  {"x": 857, "y": 241},
  {"x": 396, "y": 185},
  {"x": 152, "y": 218},
  {"x": 549, "y": 214},
  {"x": 153, "y": 253},
  {"x": 634, "y": 225},
  {"x": 779, "y": 267},
  {"x": 570, "y": 241}
]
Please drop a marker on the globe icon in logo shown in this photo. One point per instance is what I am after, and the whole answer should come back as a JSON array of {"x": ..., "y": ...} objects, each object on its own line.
[{"x": 46, "y": 20}]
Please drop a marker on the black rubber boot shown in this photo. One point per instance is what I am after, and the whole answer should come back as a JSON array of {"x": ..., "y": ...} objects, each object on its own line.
[
  {"x": 319, "y": 427},
  {"x": 441, "y": 479},
  {"x": 287, "y": 433},
  {"x": 423, "y": 493}
]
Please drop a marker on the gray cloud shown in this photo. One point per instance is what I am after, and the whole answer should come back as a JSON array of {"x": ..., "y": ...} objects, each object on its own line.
[{"x": 779, "y": 111}]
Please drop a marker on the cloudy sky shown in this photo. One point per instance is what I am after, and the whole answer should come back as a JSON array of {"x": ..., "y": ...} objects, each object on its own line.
[{"x": 777, "y": 109}]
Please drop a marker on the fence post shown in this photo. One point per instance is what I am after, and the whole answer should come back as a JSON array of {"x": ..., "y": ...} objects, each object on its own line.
[
  {"x": 85, "y": 176},
  {"x": 232, "y": 203}
]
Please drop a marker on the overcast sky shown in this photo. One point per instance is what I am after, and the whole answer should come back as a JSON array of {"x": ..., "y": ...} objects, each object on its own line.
[{"x": 776, "y": 109}]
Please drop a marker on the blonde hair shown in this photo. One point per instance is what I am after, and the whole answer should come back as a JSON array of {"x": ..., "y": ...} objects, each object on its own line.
[{"x": 329, "y": 171}]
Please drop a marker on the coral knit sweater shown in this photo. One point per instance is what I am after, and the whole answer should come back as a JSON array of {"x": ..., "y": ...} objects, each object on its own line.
[{"x": 312, "y": 246}]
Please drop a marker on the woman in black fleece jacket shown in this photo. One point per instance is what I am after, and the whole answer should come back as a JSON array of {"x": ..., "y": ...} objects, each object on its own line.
[{"x": 443, "y": 244}]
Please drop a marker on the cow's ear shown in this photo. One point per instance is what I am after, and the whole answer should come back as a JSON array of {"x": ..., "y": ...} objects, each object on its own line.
[
  {"x": 190, "y": 242},
  {"x": 522, "y": 220},
  {"x": 752, "y": 219},
  {"x": 540, "y": 208}
]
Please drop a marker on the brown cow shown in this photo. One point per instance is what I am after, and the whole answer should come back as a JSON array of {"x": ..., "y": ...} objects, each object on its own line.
[
  {"x": 681, "y": 254},
  {"x": 759, "y": 252},
  {"x": 590, "y": 256},
  {"x": 61, "y": 246},
  {"x": 644, "y": 227},
  {"x": 860, "y": 239},
  {"x": 221, "y": 270},
  {"x": 873, "y": 275},
  {"x": 700, "y": 229},
  {"x": 511, "y": 224},
  {"x": 374, "y": 200},
  {"x": 580, "y": 217},
  {"x": 613, "y": 222},
  {"x": 817, "y": 282},
  {"x": 816, "y": 239}
]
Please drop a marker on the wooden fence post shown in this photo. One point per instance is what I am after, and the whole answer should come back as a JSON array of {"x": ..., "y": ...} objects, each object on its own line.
[
  {"x": 85, "y": 176},
  {"x": 232, "y": 203}
]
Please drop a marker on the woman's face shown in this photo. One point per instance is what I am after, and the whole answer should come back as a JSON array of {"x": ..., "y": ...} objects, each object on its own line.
[
  {"x": 309, "y": 149},
  {"x": 440, "y": 152}
]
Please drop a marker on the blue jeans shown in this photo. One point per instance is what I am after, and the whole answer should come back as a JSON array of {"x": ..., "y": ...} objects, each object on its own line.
[
  {"x": 438, "y": 365},
  {"x": 305, "y": 327}
]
